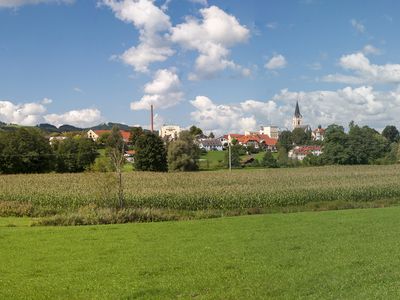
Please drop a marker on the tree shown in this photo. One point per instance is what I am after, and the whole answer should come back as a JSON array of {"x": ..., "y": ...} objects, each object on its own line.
[
  {"x": 285, "y": 140},
  {"x": 211, "y": 135},
  {"x": 336, "y": 146},
  {"x": 268, "y": 160},
  {"x": 136, "y": 132},
  {"x": 25, "y": 150},
  {"x": 300, "y": 137},
  {"x": 102, "y": 140},
  {"x": 391, "y": 134},
  {"x": 283, "y": 159},
  {"x": 195, "y": 131},
  {"x": 74, "y": 154},
  {"x": 235, "y": 156},
  {"x": 150, "y": 153},
  {"x": 366, "y": 145},
  {"x": 183, "y": 153},
  {"x": 116, "y": 150}
]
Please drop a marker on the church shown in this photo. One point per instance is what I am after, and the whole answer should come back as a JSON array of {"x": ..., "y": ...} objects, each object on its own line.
[{"x": 297, "y": 121}]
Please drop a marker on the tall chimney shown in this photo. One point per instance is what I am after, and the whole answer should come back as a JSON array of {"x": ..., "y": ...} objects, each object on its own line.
[{"x": 152, "y": 119}]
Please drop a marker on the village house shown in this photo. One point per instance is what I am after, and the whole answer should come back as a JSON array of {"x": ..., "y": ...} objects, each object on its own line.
[
  {"x": 300, "y": 152},
  {"x": 258, "y": 141},
  {"x": 318, "y": 134},
  {"x": 272, "y": 131},
  {"x": 211, "y": 145},
  {"x": 95, "y": 134},
  {"x": 169, "y": 132}
]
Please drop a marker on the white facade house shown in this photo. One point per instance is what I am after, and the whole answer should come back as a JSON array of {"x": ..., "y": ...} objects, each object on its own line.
[
  {"x": 211, "y": 145},
  {"x": 170, "y": 132},
  {"x": 300, "y": 152},
  {"x": 272, "y": 131},
  {"x": 318, "y": 134}
]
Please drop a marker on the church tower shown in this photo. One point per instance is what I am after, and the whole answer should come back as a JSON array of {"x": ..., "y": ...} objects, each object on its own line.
[{"x": 297, "y": 118}]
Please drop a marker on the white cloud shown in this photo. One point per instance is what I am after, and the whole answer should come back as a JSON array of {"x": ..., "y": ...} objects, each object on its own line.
[
  {"x": 231, "y": 118},
  {"x": 24, "y": 114},
  {"x": 278, "y": 61},
  {"x": 18, "y": 3},
  {"x": 357, "y": 25},
  {"x": 202, "y": 2},
  {"x": 370, "y": 49},
  {"x": 81, "y": 118},
  {"x": 364, "y": 105},
  {"x": 163, "y": 92},
  {"x": 33, "y": 113},
  {"x": 364, "y": 71},
  {"x": 211, "y": 37},
  {"x": 152, "y": 24}
]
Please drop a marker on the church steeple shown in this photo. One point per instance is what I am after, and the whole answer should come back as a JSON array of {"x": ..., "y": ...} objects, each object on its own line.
[
  {"x": 297, "y": 113},
  {"x": 297, "y": 118}
]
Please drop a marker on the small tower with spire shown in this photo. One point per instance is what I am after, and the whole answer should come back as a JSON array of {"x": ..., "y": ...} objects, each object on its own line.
[{"x": 297, "y": 117}]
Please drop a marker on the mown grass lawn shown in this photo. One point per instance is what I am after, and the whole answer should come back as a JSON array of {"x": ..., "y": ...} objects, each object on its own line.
[{"x": 337, "y": 254}]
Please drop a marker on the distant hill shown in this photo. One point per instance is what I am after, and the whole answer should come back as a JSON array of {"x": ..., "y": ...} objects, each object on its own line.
[
  {"x": 69, "y": 128},
  {"x": 48, "y": 127},
  {"x": 109, "y": 126}
]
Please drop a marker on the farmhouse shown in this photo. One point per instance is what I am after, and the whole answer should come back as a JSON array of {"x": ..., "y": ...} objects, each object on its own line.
[
  {"x": 211, "y": 145},
  {"x": 300, "y": 152},
  {"x": 95, "y": 134},
  {"x": 258, "y": 141}
]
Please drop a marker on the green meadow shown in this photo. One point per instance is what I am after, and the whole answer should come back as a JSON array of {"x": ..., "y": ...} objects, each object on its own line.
[{"x": 315, "y": 255}]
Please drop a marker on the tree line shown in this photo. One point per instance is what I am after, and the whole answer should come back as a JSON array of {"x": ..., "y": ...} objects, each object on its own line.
[{"x": 27, "y": 150}]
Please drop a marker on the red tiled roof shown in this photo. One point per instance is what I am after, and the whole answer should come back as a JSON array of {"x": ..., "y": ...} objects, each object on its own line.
[
  {"x": 125, "y": 134},
  {"x": 306, "y": 149},
  {"x": 235, "y": 135},
  {"x": 258, "y": 138}
]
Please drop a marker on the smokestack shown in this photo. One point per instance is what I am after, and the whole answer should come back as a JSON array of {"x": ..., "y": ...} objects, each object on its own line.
[{"x": 152, "y": 119}]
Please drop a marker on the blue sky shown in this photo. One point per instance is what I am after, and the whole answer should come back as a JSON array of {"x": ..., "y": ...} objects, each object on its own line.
[{"x": 222, "y": 65}]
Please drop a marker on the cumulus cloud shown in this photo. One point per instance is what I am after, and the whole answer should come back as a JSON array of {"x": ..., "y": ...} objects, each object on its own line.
[
  {"x": 211, "y": 37},
  {"x": 363, "y": 104},
  {"x": 18, "y": 3},
  {"x": 81, "y": 118},
  {"x": 33, "y": 113},
  {"x": 152, "y": 24},
  {"x": 364, "y": 71},
  {"x": 240, "y": 117},
  {"x": 278, "y": 61},
  {"x": 24, "y": 114},
  {"x": 163, "y": 92}
]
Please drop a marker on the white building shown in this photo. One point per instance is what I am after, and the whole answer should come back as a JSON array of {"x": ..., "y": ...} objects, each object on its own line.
[
  {"x": 318, "y": 134},
  {"x": 170, "y": 132},
  {"x": 300, "y": 152},
  {"x": 272, "y": 131},
  {"x": 211, "y": 145}
]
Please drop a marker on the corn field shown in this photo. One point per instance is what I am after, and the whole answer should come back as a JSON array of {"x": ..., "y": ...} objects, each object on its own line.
[{"x": 205, "y": 190}]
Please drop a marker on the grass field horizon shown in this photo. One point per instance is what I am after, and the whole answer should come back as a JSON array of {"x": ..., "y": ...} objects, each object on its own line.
[{"x": 318, "y": 255}]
